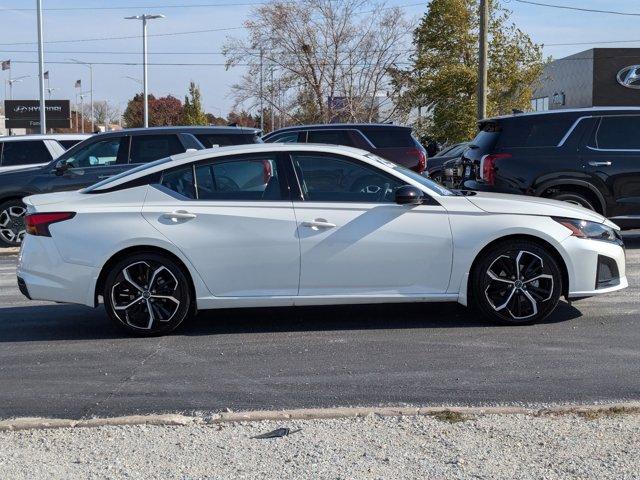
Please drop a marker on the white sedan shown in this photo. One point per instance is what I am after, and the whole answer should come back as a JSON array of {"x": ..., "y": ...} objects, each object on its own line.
[{"x": 298, "y": 224}]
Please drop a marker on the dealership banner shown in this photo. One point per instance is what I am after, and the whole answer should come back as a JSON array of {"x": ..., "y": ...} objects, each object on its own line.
[{"x": 26, "y": 113}]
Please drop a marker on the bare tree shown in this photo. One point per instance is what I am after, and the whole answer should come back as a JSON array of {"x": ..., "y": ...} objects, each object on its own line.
[
  {"x": 104, "y": 113},
  {"x": 320, "y": 60}
]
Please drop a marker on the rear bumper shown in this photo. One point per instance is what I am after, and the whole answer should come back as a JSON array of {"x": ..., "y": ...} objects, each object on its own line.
[{"x": 43, "y": 275}]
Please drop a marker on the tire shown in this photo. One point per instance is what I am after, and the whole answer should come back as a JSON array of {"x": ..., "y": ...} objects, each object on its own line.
[
  {"x": 502, "y": 297},
  {"x": 144, "y": 283},
  {"x": 12, "y": 229},
  {"x": 575, "y": 199}
]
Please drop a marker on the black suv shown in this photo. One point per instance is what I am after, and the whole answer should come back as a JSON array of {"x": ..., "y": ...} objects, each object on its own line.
[
  {"x": 590, "y": 157},
  {"x": 99, "y": 157},
  {"x": 393, "y": 142}
]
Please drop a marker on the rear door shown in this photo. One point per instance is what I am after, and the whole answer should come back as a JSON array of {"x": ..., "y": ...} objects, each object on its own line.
[
  {"x": 232, "y": 217},
  {"x": 613, "y": 155}
]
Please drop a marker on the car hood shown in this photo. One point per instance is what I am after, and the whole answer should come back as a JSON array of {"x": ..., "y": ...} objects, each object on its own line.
[{"x": 525, "y": 205}]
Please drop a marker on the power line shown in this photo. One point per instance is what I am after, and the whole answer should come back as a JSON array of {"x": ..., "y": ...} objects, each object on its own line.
[
  {"x": 132, "y": 7},
  {"x": 580, "y": 9},
  {"x": 203, "y": 64},
  {"x": 599, "y": 42}
]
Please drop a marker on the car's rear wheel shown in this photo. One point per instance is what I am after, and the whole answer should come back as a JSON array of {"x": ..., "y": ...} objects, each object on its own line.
[
  {"x": 148, "y": 294},
  {"x": 516, "y": 282},
  {"x": 12, "y": 229},
  {"x": 575, "y": 199}
]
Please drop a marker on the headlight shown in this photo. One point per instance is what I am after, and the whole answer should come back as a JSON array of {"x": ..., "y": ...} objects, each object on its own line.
[{"x": 592, "y": 230}]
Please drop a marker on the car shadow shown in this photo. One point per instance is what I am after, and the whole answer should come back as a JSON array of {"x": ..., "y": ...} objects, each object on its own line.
[
  {"x": 70, "y": 322},
  {"x": 631, "y": 239}
]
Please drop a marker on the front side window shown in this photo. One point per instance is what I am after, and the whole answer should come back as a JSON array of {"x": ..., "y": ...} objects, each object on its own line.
[
  {"x": 147, "y": 148},
  {"x": 332, "y": 137},
  {"x": 618, "y": 133},
  {"x": 253, "y": 178},
  {"x": 100, "y": 153},
  {"x": 24, "y": 153},
  {"x": 328, "y": 178}
]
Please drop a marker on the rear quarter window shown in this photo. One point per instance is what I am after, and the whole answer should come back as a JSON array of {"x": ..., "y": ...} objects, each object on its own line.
[
  {"x": 25, "y": 153},
  {"x": 538, "y": 131},
  {"x": 389, "y": 137}
]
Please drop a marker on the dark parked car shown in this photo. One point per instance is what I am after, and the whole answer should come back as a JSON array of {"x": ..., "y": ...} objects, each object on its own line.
[
  {"x": 393, "y": 142},
  {"x": 99, "y": 157},
  {"x": 590, "y": 157},
  {"x": 435, "y": 163}
]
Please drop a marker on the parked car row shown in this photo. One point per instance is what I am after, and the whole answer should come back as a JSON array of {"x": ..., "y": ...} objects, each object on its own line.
[
  {"x": 28, "y": 150},
  {"x": 589, "y": 157}
]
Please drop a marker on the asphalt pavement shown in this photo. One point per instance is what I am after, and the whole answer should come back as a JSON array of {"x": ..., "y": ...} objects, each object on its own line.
[{"x": 69, "y": 361}]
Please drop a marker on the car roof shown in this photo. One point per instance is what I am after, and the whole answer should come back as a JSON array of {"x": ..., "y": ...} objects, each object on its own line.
[
  {"x": 210, "y": 153},
  {"x": 577, "y": 111},
  {"x": 47, "y": 136},
  {"x": 333, "y": 126},
  {"x": 182, "y": 129}
]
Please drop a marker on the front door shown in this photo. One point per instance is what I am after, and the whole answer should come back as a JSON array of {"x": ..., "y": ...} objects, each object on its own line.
[
  {"x": 232, "y": 218},
  {"x": 355, "y": 240}
]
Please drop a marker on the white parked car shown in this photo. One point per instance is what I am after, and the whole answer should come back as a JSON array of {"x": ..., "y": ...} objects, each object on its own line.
[
  {"x": 23, "y": 151},
  {"x": 299, "y": 224}
]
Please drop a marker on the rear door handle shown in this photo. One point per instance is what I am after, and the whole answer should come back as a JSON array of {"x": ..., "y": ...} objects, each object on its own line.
[
  {"x": 600, "y": 164},
  {"x": 179, "y": 215},
  {"x": 318, "y": 223}
]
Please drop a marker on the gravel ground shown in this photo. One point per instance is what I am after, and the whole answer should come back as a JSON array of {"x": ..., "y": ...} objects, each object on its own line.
[{"x": 488, "y": 447}]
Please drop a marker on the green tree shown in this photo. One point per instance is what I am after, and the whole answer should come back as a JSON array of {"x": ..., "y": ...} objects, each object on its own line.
[
  {"x": 192, "y": 113},
  {"x": 444, "y": 74}
]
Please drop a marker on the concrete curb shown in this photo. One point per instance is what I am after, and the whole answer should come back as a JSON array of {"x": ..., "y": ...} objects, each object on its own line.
[
  {"x": 9, "y": 250},
  {"x": 588, "y": 411}
]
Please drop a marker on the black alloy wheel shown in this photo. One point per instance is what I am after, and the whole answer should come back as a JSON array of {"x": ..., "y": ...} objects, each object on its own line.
[
  {"x": 516, "y": 282},
  {"x": 148, "y": 294}
]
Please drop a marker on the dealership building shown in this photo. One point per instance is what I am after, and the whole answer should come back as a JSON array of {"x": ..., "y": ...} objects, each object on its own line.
[{"x": 593, "y": 78}]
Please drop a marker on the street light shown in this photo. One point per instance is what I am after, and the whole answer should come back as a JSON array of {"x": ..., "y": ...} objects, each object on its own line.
[
  {"x": 90, "y": 67},
  {"x": 11, "y": 81},
  {"x": 137, "y": 80},
  {"x": 50, "y": 90},
  {"x": 144, "y": 19}
]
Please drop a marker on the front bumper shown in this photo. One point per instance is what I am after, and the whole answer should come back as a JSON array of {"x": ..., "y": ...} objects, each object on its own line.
[{"x": 586, "y": 266}]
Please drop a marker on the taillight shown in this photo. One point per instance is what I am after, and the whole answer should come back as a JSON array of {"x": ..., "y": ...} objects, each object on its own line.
[
  {"x": 38, "y": 223},
  {"x": 488, "y": 166},
  {"x": 422, "y": 159}
]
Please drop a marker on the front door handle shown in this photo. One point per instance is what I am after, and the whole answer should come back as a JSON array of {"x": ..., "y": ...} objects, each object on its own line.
[
  {"x": 179, "y": 215},
  {"x": 318, "y": 223},
  {"x": 600, "y": 164}
]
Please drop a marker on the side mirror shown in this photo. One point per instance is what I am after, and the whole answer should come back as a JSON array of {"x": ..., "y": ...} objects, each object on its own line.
[
  {"x": 409, "y": 195},
  {"x": 60, "y": 167}
]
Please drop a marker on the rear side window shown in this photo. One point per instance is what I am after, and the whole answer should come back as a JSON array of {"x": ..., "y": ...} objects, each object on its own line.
[
  {"x": 67, "y": 144},
  {"x": 25, "y": 153},
  {"x": 253, "y": 178},
  {"x": 618, "y": 133},
  {"x": 332, "y": 137},
  {"x": 209, "y": 140},
  {"x": 538, "y": 131},
  {"x": 146, "y": 148},
  {"x": 389, "y": 137}
]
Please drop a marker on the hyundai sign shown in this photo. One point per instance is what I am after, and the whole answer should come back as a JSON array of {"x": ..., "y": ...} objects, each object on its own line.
[{"x": 26, "y": 113}]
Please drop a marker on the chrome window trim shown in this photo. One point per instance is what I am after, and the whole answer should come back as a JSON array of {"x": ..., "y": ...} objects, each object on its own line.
[
  {"x": 598, "y": 149},
  {"x": 572, "y": 128}
]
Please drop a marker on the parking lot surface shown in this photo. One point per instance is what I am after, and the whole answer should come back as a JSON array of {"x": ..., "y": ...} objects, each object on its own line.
[{"x": 69, "y": 361}]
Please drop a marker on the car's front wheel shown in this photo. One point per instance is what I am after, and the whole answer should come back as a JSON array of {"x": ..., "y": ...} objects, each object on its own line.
[
  {"x": 12, "y": 228},
  {"x": 516, "y": 282},
  {"x": 147, "y": 294}
]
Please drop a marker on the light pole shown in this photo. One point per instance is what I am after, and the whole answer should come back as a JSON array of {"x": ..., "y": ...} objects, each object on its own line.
[
  {"x": 43, "y": 117},
  {"x": 145, "y": 101},
  {"x": 90, "y": 67},
  {"x": 11, "y": 81},
  {"x": 483, "y": 59},
  {"x": 82, "y": 111}
]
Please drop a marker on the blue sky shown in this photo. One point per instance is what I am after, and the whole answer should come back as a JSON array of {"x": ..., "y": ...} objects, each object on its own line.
[{"x": 544, "y": 25}]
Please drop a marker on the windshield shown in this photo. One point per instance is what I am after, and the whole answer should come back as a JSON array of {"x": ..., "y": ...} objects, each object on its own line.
[
  {"x": 421, "y": 179},
  {"x": 109, "y": 180}
]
